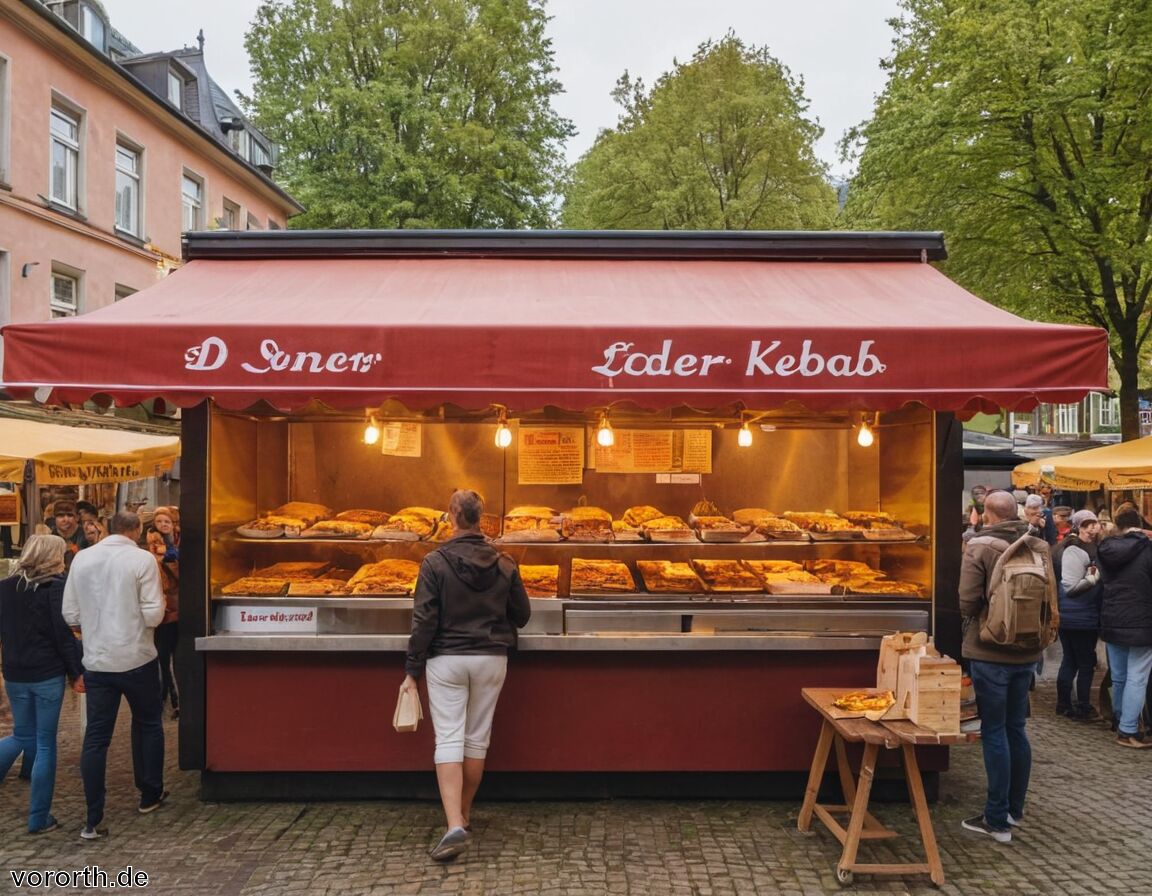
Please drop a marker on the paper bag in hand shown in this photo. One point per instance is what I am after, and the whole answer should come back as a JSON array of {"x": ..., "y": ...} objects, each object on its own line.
[{"x": 408, "y": 712}]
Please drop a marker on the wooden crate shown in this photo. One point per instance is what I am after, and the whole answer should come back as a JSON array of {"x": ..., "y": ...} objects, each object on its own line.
[
  {"x": 9, "y": 508},
  {"x": 893, "y": 672},
  {"x": 934, "y": 698}
]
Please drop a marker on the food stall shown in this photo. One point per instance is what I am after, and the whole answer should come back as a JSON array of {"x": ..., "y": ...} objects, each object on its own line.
[
  {"x": 1119, "y": 473},
  {"x": 726, "y": 461}
]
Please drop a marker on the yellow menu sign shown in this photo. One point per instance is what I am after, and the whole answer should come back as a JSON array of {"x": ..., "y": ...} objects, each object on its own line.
[
  {"x": 550, "y": 455},
  {"x": 654, "y": 451}
]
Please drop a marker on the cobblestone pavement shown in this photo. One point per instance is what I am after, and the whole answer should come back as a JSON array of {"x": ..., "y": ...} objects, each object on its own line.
[{"x": 1086, "y": 832}]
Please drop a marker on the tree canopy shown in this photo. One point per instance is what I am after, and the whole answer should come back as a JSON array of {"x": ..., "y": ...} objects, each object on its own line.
[
  {"x": 410, "y": 113},
  {"x": 720, "y": 142},
  {"x": 1023, "y": 129}
]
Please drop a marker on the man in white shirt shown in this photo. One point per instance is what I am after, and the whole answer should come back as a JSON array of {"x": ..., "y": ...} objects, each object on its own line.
[{"x": 113, "y": 596}]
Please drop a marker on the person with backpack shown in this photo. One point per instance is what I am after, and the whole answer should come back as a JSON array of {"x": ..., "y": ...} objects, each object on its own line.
[
  {"x": 1074, "y": 560},
  {"x": 1008, "y": 601},
  {"x": 1126, "y": 622}
]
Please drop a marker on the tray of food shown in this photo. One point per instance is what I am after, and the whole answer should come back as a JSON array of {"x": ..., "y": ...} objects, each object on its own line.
[
  {"x": 890, "y": 535},
  {"x": 260, "y": 529},
  {"x": 540, "y": 580},
  {"x": 588, "y": 524},
  {"x": 625, "y": 534},
  {"x": 787, "y": 577},
  {"x": 409, "y": 524},
  {"x": 294, "y": 570},
  {"x": 727, "y": 576},
  {"x": 669, "y": 529},
  {"x": 595, "y": 577},
  {"x": 669, "y": 577},
  {"x": 717, "y": 529},
  {"x": 885, "y": 587},
  {"x": 385, "y": 577},
  {"x": 256, "y": 586},
  {"x": 317, "y": 588},
  {"x": 373, "y": 518},
  {"x": 337, "y": 529},
  {"x": 530, "y": 523},
  {"x": 825, "y": 526},
  {"x": 769, "y": 526}
]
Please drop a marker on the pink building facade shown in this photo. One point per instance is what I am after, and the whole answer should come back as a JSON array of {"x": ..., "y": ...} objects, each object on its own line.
[{"x": 101, "y": 171}]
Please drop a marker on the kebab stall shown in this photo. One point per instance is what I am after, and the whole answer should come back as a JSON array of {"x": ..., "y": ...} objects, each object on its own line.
[{"x": 725, "y": 461}]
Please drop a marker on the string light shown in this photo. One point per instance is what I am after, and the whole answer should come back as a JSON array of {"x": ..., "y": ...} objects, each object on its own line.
[
  {"x": 372, "y": 432},
  {"x": 605, "y": 438},
  {"x": 503, "y": 433},
  {"x": 865, "y": 437},
  {"x": 744, "y": 437}
]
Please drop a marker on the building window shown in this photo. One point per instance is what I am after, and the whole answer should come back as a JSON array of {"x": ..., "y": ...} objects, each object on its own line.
[
  {"x": 175, "y": 89},
  {"x": 65, "y": 157},
  {"x": 127, "y": 189},
  {"x": 253, "y": 222},
  {"x": 273, "y": 224},
  {"x": 91, "y": 26},
  {"x": 65, "y": 300},
  {"x": 5, "y": 111},
  {"x": 193, "y": 202},
  {"x": 1109, "y": 411},
  {"x": 122, "y": 292},
  {"x": 258, "y": 154},
  {"x": 230, "y": 219},
  {"x": 1067, "y": 419}
]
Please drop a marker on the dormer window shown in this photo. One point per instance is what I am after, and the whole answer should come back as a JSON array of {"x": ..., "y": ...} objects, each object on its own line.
[
  {"x": 86, "y": 17},
  {"x": 175, "y": 89},
  {"x": 91, "y": 25}
]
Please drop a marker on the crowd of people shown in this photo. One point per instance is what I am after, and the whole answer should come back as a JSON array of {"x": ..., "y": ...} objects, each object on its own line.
[
  {"x": 1101, "y": 574},
  {"x": 93, "y": 605}
]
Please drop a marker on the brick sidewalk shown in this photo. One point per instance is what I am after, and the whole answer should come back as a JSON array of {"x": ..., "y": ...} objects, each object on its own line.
[{"x": 1086, "y": 832}]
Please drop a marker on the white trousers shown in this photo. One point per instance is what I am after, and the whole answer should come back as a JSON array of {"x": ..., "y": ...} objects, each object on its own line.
[{"x": 462, "y": 695}]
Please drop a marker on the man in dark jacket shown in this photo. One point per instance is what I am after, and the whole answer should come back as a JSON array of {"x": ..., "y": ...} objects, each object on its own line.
[
  {"x": 468, "y": 604},
  {"x": 1000, "y": 676},
  {"x": 1126, "y": 622}
]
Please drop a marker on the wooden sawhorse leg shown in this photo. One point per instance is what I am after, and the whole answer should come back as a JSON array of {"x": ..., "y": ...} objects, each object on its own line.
[
  {"x": 815, "y": 776},
  {"x": 923, "y": 819}
]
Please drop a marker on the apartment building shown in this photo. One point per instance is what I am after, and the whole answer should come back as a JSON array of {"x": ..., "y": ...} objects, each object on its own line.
[{"x": 108, "y": 155}]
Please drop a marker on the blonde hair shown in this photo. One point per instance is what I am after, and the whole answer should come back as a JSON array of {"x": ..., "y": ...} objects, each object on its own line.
[{"x": 42, "y": 558}]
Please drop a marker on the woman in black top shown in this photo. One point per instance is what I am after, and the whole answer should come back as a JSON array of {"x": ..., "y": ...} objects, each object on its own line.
[{"x": 38, "y": 653}]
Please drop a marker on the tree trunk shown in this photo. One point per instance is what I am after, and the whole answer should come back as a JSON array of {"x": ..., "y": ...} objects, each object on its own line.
[{"x": 1129, "y": 370}]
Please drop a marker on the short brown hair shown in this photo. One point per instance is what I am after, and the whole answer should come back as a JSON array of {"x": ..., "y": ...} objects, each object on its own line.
[
  {"x": 123, "y": 522},
  {"x": 1129, "y": 518},
  {"x": 465, "y": 507}
]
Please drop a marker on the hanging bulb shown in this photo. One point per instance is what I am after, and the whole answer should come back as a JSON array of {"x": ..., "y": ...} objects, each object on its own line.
[
  {"x": 865, "y": 438},
  {"x": 371, "y": 432},
  {"x": 503, "y": 433},
  {"x": 744, "y": 437},
  {"x": 605, "y": 438}
]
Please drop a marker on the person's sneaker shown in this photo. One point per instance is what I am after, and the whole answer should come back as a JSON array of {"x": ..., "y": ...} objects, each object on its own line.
[
  {"x": 980, "y": 826},
  {"x": 152, "y": 807},
  {"x": 93, "y": 832},
  {"x": 1086, "y": 714},
  {"x": 1013, "y": 822},
  {"x": 451, "y": 845},
  {"x": 1133, "y": 740},
  {"x": 1063, "y": 710},
  {"x": 50, "y": 825}
]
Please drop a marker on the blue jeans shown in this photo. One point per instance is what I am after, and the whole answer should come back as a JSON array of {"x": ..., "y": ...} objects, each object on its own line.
[
  {"x": 35, "y": 719},
  {"x": 1002, "y": 699},
  {"x": 141, "y": 687},
  {"x": 1130, "y": 667}
]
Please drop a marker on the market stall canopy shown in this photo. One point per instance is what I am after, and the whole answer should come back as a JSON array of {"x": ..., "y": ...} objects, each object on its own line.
[
  {"x": 1123, "y": 465},
  {"x": 831, "y": 320},
  {"x": 70, "y": 454}
]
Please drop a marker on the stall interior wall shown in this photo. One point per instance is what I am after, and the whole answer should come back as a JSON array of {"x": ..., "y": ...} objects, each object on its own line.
[{"x": 258, "y": 464}]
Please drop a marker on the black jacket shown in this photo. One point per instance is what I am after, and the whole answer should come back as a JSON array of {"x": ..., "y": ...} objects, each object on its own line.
[
  {"x": 469, "y": 600},
  {"x": 37, "y": 643},
  {"x": 1126, "y": 570}
]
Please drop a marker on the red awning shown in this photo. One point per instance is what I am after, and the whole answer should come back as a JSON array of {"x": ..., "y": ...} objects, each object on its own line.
[{"x": 571, "y": 332}]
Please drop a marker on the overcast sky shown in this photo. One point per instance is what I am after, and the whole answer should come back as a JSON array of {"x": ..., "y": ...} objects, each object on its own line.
[{"x": 834, "y": 45}]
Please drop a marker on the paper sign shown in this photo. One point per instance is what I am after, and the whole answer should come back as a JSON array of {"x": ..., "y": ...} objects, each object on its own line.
[
  {"x": 654, "y": 451},
  {"x": 550, "y": 455},
  {"x": 234, "y": 618},
  {"x": 697, "y": 454},
  {"x": 401, "y": 439}
]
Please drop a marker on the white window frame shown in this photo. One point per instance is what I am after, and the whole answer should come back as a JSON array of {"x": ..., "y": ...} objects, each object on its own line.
[
  {"x": 85, "y": 16},
  {"x": 230, "y": 214},
  {"x": 62, "y": 307},
  {"x": 129, "y": 175},
  {"x": 5, "y": 117},
  {"x": 73, "y": 148},
  {"x": 191, "y": 205},
  {"x": 177, "y": 86},
  {"x": 1108, "y": 414},
  {"x": 1066, "y": 418}
]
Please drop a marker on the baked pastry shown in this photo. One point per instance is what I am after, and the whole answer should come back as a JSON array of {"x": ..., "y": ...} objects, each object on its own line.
[
  {"x": 540, "y": 580},
  {"x": 256, "y": 587},
  {"x": 844, "y": 569},
  {"x": 865, "y": 701},
  {"x": 715, "y": 523},
  {"x": 819, "y": 522},
  {"x": 748, "y": 516},
  {"x": 601, "y": 575},
  {"x": 372, "y": 517},
  {"x": 418, "y": 521},
  {"x": 385, "y": 577},
  {"x": 774, "y": 567},
  {"x": 871, "y": 519},
  {"x": 636, "y": 516},
  {"x": 586, "y": 522},
  {"x": 663, "y": 523},
  {"x": 727, "y": 575},
  {"x": 302, "y": 510},
  {"x": 316, "y": 587},
  {"x": 884, "y": 586},
  {"x": 287, "y": 522},
  {"x": 529, "y": 517},
  {"x": 705, "y": 508},
  {"x": 669, "y": 577},
  {"x": 294, "y": 571},
  {"x": 341, "y": 528}
]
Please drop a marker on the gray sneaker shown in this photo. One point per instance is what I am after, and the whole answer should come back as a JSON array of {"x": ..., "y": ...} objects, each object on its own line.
[
  {"x": 978, "y": 824},
  {"x": 451, "y": 845},
  {"x": 93, "y": 832}
]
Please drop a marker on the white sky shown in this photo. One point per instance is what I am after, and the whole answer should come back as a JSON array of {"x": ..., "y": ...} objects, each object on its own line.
[{"x": 835, "y": 45}]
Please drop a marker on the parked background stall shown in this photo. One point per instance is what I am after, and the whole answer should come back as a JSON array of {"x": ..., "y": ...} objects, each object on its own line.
[{"x": 794, "y": 373}]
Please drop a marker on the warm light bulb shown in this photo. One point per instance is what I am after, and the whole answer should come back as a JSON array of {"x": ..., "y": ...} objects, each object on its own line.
[
  {"x": 864, "y": 437},
  {"x": 605, "y": 438},
  {"x": 744, "y": 437},
  {"x": 371, "y": 432},
  {"x": 503, "y": 435}
]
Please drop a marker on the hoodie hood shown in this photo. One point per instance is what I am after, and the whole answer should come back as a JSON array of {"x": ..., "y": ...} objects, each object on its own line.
[
  {"x": 1120, "y": 550},
  {"x": 473, "y": 560}
]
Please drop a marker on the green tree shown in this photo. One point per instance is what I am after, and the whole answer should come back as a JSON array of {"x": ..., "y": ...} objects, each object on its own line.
[
  {"x": 1023, "y": 129},
  {"x": 410, "y": 113},
  {"x": 720, "y": 142}
]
